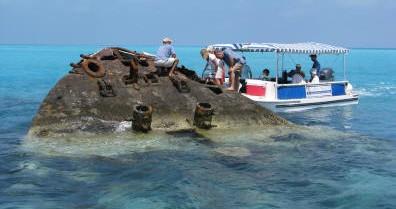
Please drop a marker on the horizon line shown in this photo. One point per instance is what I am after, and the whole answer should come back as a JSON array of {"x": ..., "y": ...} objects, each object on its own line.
[{"x": 176, "y": 45}]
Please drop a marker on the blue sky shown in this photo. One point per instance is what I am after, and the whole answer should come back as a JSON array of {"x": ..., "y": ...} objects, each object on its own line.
[{"x": 351, "y": 23}]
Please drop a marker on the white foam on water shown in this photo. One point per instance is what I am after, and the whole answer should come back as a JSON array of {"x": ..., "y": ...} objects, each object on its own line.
[
  {"x": 123, "y": 126},
  {"x": 382, "y": 89},
  {"x": 100, "y": 144},
  {"x": 127, "y": 142}
]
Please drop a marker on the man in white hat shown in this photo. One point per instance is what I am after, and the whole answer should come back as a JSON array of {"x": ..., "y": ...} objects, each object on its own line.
[{"x": 166, "y": 55}]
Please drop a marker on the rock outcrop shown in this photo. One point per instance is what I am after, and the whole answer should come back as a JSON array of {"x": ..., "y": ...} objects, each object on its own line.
[{"x": 102, "y": 90}]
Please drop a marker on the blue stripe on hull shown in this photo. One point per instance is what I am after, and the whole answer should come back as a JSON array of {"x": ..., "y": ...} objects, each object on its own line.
[
  {"x": 338, "y": 89},
  {"x": 291, "y": 92}
]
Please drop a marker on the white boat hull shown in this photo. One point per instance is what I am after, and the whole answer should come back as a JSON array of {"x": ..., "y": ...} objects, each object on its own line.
[{"x": 305, "y": 104}]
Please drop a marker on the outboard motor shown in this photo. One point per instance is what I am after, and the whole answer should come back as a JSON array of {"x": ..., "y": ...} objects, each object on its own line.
[{"x": 326, "y": 74}]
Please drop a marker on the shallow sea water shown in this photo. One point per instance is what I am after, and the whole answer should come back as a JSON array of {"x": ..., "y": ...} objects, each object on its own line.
[{"x": 341, "y": 157}]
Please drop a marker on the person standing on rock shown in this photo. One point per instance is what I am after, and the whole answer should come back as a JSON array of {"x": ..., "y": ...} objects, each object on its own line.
[
  {"x": 214, "y": 65},
  {"x": 235, "y": 63},
  {"x": 166, "y": 56}
]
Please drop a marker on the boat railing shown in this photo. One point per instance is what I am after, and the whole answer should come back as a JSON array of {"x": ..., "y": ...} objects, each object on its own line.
[
  {"x": 305, "y": 84},
  {"x": 310, "y": 90}
]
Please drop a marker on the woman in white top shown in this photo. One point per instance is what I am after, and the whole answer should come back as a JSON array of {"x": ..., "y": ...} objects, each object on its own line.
[
  {"x": 314, "y": 76},
  {"x": 217, "y": 65}
]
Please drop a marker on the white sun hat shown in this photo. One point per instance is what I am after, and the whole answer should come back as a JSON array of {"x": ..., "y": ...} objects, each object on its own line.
[{"x": 167, "y": 39}]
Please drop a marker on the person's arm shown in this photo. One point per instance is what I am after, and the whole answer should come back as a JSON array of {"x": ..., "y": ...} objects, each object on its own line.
[{"x": 173, "y": 52}]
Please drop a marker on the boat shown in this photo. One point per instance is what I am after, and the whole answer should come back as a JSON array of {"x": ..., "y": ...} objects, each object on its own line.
[{"x": 281, "y": 96}]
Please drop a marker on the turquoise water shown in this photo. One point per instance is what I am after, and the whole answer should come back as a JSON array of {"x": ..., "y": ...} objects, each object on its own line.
[{"x": 342, "y": 157}]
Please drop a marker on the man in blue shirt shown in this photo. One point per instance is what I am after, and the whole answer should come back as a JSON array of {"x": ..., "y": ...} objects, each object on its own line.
[
  {"x": 235, "y": 63},
  {"x": 315, "y": 64},
  {"x": 166, "y": 55}
]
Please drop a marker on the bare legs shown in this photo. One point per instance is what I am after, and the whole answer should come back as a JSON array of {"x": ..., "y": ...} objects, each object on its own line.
[
  {"x": 236, "y": 81},
  {"x": 218, "y": 81},
  {"x": 234, "y": 77},
  {"x": 174, "y": 66}
]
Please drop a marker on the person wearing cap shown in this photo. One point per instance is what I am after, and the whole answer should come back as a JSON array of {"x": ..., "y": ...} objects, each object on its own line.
[
  {"x": 314, "y": 77},
  {"x": 316, "y": 63},
  {"x": 166, "y": 56},
  {"x": 235, "y": 63},
  {"x": 297, "y": 75}
]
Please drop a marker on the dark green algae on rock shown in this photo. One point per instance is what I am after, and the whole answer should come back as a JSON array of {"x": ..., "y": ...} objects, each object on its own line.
[{"x": 75, "y": 104}]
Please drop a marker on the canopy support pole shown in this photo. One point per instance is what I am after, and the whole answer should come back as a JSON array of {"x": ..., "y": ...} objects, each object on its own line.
[
  {"x": 277, "y": 67},
  {"x": 277, "y": 72},
  {"x": 344, "y": 61}
]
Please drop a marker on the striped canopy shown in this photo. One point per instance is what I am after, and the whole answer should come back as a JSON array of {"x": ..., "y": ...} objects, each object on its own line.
[{"x": 298, "y": 48}]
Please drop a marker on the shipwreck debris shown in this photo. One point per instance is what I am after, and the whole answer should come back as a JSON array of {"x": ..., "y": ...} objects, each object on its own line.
[
  {"x": 180, "y": 82},
  {"x": 203, "y": 115},
  {"x": 93, "y": 68},
  {"x": 105, "y": 88},
  {"x": 95, "y": 96},
  {"x": 142, "y": 117}
]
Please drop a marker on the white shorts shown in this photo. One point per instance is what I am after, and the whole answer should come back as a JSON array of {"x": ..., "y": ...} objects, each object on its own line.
[
  {"x": 219, "y": 73},
  {"x": 165, "y": 63}
]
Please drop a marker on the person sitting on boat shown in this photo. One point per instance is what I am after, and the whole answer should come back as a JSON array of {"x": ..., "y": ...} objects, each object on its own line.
[
  {"x": 235, "y": 63},
  {"x": 316, "y": 63},
  {"x": 298, "y": 75},
  {"x": 314, "y": 77},
  {"x": 166, "y": 56},
  {"x": 265, "y": 75}
]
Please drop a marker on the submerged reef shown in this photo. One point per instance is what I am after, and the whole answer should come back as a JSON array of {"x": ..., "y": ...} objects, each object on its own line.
[{"x": 104, "y": 89}]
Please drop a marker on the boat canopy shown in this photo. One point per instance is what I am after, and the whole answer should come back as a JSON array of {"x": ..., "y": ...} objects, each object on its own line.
[{"x": 297, "y": 48}]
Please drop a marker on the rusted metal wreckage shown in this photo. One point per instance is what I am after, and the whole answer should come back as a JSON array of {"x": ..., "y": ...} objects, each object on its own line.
[
  {"x": 116, "y": 84},
  {"x": 142, "y": 114}
]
